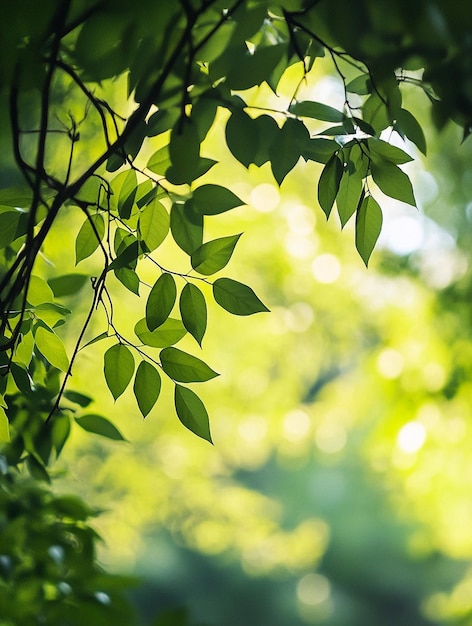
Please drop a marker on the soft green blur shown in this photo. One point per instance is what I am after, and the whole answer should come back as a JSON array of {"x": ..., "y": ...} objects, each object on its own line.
[{"x": 337, "y": 491}]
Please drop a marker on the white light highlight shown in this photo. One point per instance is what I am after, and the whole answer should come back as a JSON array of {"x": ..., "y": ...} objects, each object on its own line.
[
  {"x": 411, "y": 437},
  {"x": 326, "y": 268}
]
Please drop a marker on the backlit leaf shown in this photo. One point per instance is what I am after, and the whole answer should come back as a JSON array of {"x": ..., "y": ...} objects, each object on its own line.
[
  {"x": 383, "y": 150},
  {"x": 409, "y": 125},
  {"x": 168, "y": 333},
  {"x": 160, "y": 301},
  {"x": 368, "y": 227},
  {"x": 191, "y": 412},
  {"x": 328, "y": 184},
  {"x": 99, "y": 426},
  {"x": 51, "y": 347},
  {"x": 147, "y": 386},
  {"x": 185, "y": 368},
  {"x": 392, "y": 181},
  {"x": 89, "y": 237},
  {"x": 317, "y": 111},
  {"x": 213, "y": 255},
  {"x": 119, "y": 368},
  {"x": 236, "y": 298},
  {"x": 186, "y": 226},
  {"x": 193, "y": 310},
  {"x": 154, "y": 222},
  {"x": 4, "y": 426},
  {"x": 214, "y": 199},
  {"x": 348, "y": 196}
]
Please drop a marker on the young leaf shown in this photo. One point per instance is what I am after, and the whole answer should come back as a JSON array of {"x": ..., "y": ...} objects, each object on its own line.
[
  {"x": 153, "y": 224},
  {"x": 51, "y": 347},
  {"x": 214, "y": 255},
  {"x": 160, "y": 301},
  {"x": 193, "y": 311},
  {"x": 214, "y": 199},
  {"x": 317, "y": 111},
  {"x": 89, "y": 237},
  {"x": 99, "y": 426},
  {"x": 236, "y": 298},
  {"x": 147, "y": 387},
  {"x": 186, "y": 226},
  {"x": 184, "y": 367},
  {"x": 119, "y": 368},
  {"x": 368, "y": 227},
  {"x": 392, "y": 181},
  {"x": 191, "y": 412},
  {"x": 328, "y": 184},
  {"x": 168, "y": 333}
]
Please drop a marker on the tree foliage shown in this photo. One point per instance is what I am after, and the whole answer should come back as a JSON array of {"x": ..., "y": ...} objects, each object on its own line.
[{"x": 106, "y": 107}]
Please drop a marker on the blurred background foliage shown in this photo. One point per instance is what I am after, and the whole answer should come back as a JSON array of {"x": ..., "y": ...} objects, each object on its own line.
[{"x": 338, "y": 488}]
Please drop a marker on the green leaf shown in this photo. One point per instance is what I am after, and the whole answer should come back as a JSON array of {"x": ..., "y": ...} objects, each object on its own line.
[
  {"x": 128, "y": 278},
  {"x": 96, "y": 339},
  {"x": 409, "y": 125},
  {"x": 78, "y": 398},
  {"x": 214, "y": 255},
  {"x": 236, "y": 298},
  {"x": 368, "y": 227},
  {"x": 191, "y": 412},
  {"x": 349, "y": 193},
  {"x": 153, "y": 224},
  {"x": 317, "y": 111},
  {"x": 214, "y": 199},
  {"x": 51, "y": 347},
  {"x": 39, "y": 292},
  {"x": 193, "y": 310},
  {"x": 160, "y": 301},
  {"x": 127, "y": 254},
  {"x": 127, "y": 196},
  {"x": 89, "y": 237},
  {"x": 328, "y": 184},
  {"x": 4, "y": 426},
  {"x": 8, "y": 227},
  {"x": 392, "y": 181},
  {"x": 375, "y": 113},
  {"x": 287, "y": 149},
  {"x": 60, "y": 431},
  {"x": 362, "y": 85},
  {"x": 319, "y": 150},
  {"x": 184, "y": 367},
  {"x": 253, "y": 68},
  {"x": 383, "y": 150},
  {"x": 186, "y": 226},
  {"x": 68, "y": 284},
  {"x": 184, "y": 152},
  {"x": 99, "y": 426},
  {"x": 242, "y": 137},
  {"x": 168, "y": 333},
  {"x": 119, "y": 368},
  {"x": 159, "y": 163},
  {"x": 147, "y": 387}
]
